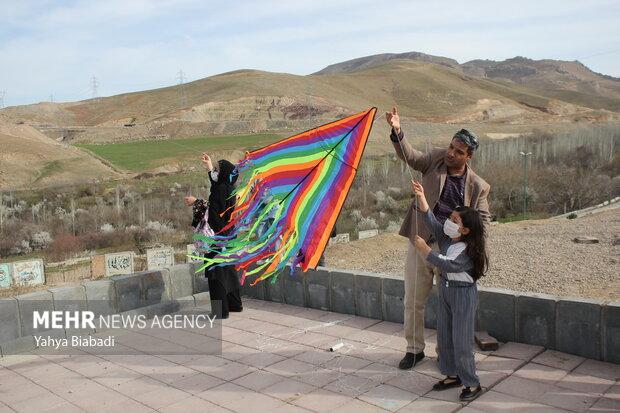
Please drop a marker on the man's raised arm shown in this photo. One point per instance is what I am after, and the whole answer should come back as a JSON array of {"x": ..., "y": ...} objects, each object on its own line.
[{"x": 419, "y": 161}]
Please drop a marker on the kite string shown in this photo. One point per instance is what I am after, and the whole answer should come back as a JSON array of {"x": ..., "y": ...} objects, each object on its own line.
[
  {"x": 173, "y": 141},
  {"x": 400, "y": 142},
  {"x": 415, "y": 260}
]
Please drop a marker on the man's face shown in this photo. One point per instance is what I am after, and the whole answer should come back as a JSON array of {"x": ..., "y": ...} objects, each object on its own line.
[{"x": 457, "y": 154}]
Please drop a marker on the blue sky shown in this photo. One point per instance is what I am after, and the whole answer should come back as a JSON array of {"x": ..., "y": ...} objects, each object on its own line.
[{"x": 56, "y": 47}]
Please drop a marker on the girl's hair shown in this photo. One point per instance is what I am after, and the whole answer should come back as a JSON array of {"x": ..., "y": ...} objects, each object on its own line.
[{"x": 475, "y": 239}]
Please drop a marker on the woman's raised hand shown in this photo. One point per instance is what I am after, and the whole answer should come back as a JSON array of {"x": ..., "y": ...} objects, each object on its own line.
[{"x": 206, "y": 159}]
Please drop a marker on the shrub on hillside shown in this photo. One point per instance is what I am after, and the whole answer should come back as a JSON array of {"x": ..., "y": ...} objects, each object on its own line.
[
  {"x": 367, "y": 223},
  {"x": 41, "y": 240},
  {"x": 6, "y": 246},
  {"x": 356, "y": 215},
  {"x": 94, "y": 241},
  {"x": 106, "y": 228},
  {"x": 393, "y": 226},
  {"x": 21, "y": 247},
  {"x": 65, "y": 246},
  {"x": 158, "y": 226},
  {"x": 385, "y": 202},
  {"x": 140, "y": 238}
]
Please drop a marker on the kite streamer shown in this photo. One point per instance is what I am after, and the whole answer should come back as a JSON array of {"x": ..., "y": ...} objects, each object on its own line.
[{"x": 289, "y": 195}]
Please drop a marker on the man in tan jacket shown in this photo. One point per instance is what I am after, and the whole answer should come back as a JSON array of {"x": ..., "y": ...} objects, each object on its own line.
[{"x": 448, "y": 182}]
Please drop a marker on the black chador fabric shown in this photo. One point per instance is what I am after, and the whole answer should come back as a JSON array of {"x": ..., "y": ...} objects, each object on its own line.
[
  {"x": 220, "y": 206},
  {"x": 222, "y": 302},
  {"x": 226, "y": 275},
  {"x": 221, "y": 200}
]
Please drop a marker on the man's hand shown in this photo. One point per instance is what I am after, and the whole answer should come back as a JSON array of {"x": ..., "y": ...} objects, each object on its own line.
[
  {"x": 393, "y": 119},
  {"x": 418, "y": 190},
  {"x": 206, "y": 159},
  {"x": 189, "y": 200}
]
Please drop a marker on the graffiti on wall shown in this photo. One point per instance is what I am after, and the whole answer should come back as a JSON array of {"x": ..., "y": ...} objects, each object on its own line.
[{"x": 28, "y": 272}]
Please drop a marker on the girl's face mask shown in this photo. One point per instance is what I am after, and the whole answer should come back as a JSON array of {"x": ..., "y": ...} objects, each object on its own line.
[{"x": 451, "y": 229}]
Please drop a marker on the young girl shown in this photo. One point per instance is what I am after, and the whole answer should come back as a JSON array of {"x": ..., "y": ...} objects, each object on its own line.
[{"x": 462, "y": 259}]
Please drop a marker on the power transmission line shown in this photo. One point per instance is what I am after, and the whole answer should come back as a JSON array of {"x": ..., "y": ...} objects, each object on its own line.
[
  {"x": 93, "y": 86},
  {"x": 181, "y": 77},
  {"x": 598, "y": 54}
]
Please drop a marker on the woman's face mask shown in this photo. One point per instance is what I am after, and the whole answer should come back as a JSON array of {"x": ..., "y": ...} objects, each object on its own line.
[
  {"x": 214, "y": 175},
  {"x": 451, "y": 229}
]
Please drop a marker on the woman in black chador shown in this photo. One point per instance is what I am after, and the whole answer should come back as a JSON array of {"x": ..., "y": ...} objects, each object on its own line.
[{"x": 224, "y": 285}]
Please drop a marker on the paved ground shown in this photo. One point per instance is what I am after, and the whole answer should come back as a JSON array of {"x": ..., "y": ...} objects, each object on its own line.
[{"x": 275, "y": 359}]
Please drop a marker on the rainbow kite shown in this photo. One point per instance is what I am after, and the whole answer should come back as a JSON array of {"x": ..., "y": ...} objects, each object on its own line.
[{"x": 289, "y": 195}]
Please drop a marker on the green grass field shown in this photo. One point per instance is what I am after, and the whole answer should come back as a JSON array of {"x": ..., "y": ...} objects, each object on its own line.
[{"x": 146, "y": 155}]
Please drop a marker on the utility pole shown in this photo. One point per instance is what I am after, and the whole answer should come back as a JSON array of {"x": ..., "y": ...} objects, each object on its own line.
[
  {"x": 73, "y": 215},
  {"x": 93, "y": 86},
  {"x": 52, "y": 98},
  {"x": 2, "y": 94},
  {"x": 118, "y": 201},
  {"x": 1, "y": 213},
  {"x": 142, "y": 213},
  {"x": 525, "y": 155},
  {"x": 181, "y": 78}
]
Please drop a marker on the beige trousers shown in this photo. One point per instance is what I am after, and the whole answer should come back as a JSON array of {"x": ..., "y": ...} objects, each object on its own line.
[{"x": 418, "y": 283}]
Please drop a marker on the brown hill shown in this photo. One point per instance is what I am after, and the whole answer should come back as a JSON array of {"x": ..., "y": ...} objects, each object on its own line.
[
  {"x": 366, "y": 62},
  {"x": 434, "y": 95},
  {"x": 569, "y": 81},
  {"x": 252, "y": 101},
  {"x": 29, "y": 158}
]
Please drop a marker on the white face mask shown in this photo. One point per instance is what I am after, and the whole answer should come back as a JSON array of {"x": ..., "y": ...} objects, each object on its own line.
[
  {"x": 214, "y": 175},
  {"x": 451, "y": 229}
]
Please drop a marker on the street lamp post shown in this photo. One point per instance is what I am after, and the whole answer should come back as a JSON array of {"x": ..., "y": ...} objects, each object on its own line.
[{"x": 525, "y": 155}]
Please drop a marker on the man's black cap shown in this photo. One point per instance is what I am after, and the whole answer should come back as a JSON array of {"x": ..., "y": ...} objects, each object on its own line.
[{"x": 468, "y": 138}]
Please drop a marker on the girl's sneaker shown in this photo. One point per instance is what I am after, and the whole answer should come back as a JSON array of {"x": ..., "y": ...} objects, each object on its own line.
[
  {"x": 468, "y": 394},
  {"x": 447, "y": 383}
]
